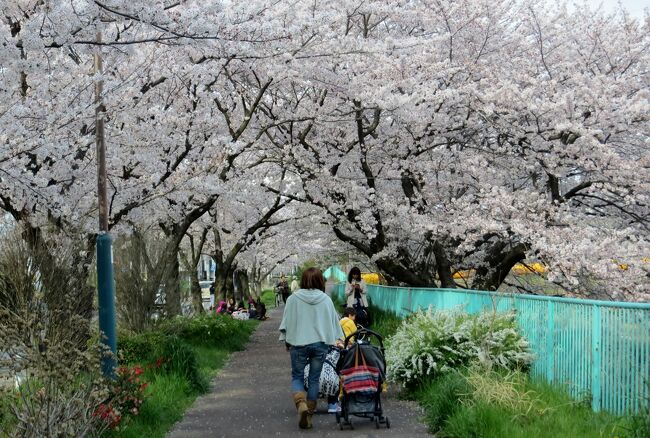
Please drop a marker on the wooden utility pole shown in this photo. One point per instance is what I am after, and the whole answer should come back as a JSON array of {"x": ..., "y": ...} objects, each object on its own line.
[
  {"x": 100, "y": 141},
  {"x": 105, "y": 280}
]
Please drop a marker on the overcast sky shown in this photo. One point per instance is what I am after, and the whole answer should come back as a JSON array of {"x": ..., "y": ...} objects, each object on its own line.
[{"x": 634, "y": 6}]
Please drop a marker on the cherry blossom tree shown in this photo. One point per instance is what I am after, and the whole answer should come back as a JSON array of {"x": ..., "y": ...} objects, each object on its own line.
[{"x": 430, "y": 136}]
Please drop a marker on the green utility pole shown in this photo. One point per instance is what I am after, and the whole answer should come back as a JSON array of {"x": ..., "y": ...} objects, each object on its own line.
[{"x": 105, "y": 281}]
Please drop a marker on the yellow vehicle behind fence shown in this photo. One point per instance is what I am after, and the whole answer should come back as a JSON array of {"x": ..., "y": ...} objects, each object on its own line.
[
  {"x": 535, "y": 268},
  {"x": 372, "y": 278},
  {"x": 519, "y": 269}
]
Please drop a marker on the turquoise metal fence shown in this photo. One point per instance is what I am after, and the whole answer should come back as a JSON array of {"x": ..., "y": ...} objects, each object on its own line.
[{"x": 598, "y": 349}]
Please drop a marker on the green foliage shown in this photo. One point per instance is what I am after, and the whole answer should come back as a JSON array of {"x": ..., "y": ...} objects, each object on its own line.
[
  {"x": 431, "y": 343},
  {"x": 139, "y": 348},
  {"x": 384, "y": 323},
  {"x": 216, "y": 329},
  {"x": 339, "y": 303},
  {"x": 640, "y": 426},
  {"x": 303, "y": 267},
  {"x": 479, "y": 403},
  {"x": 179, "y": 358},
  {"x": 7, "y": 420},
  {"x": 209, "y": 358},
  {"x": 640, "y": 423},
  {"x": 168, "y": 396},
  {"x": 440, "y": 398},
  {"x": 268, "y": 298}
]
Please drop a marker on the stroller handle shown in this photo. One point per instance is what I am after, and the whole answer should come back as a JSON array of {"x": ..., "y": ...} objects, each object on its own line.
[{"x": 364, "y": 331}]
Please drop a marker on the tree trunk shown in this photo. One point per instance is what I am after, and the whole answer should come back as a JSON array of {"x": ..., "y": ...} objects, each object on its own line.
[
  {"x": 396, "y": 273},
  {"x": 500, "y": 260},
  {"x": 224, "y": 287},
  {"x": 190, "y": 263},
  {"x": 172, "y": 285},
  {"x": 196, "y": 295},
  {"x": 242, "y": 275},
  {"x": 443, "y": 266}
]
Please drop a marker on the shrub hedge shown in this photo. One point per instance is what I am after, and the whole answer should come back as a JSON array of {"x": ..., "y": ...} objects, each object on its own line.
[{"x": 430, "y": 343}]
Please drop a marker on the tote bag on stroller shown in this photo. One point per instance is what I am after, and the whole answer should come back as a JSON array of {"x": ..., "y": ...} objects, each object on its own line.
[{"x": 360, "y": 378}]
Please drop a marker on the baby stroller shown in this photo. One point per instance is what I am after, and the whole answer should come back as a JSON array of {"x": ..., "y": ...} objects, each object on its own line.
[{"x": 363, "y": 371}]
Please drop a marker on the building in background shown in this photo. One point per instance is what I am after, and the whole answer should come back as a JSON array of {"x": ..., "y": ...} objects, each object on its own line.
[{"x": 206, "y": 269}]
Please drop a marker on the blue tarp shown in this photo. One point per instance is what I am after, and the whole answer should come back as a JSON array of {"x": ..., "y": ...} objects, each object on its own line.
[{"x": 335, "y": 273}]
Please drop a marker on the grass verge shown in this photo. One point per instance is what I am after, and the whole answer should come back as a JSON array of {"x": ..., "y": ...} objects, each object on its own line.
[
  {"x": 486, "y": 404},
  {"x": 384, "y": 323},
  {"x": 268, "y": 298},
  {"x": 190, "y": 364}
]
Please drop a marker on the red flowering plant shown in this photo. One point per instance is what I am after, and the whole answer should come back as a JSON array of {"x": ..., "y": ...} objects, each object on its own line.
[
  {"x": 107, "y": 415},
  {"x": 127, "y": 393},
  {"x": 125, "y": 397}
]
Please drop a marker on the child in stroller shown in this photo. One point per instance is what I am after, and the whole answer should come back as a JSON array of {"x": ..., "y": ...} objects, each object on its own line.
[{"x": 363, "y": 371}]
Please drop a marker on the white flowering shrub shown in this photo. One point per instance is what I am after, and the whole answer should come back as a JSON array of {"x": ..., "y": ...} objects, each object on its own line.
[{"x": 430, "y": 343}]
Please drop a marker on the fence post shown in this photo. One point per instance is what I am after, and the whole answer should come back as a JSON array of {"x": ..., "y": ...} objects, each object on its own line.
[
  {"x": 596, "y": 355},
  {"x": 550, "y": 348},
  {"x": 408, "y": 296}
]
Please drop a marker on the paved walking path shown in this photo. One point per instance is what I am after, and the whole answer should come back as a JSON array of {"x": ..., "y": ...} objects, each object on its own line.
[{"x": 251, "y": 397}]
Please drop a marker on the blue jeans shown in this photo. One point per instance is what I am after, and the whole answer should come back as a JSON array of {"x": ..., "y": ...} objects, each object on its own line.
[{"x": 314, "y": 355}]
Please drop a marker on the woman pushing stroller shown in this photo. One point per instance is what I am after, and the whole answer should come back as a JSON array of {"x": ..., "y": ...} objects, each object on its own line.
[{"x": 309, "y": 327}]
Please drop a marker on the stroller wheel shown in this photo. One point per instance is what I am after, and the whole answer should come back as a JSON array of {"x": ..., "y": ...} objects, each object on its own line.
[
  {"x": 338, "y": 417},
  {"x": 377, "y": 422},
  {"x": 341, "y": 426},
  {"x": 387, "y": 422}
]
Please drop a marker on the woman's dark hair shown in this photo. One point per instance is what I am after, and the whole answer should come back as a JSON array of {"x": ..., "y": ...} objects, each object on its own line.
[
  {"x": 312, "y": 278},
  {"x": 353, "y": 271}
]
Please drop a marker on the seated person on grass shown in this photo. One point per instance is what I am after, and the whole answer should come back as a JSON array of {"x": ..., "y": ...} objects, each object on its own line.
[
  {"x": 261, "y": 309},
  {"x": 231, "y": 306},
  {"x": 252, "y": 311},
  {"x": 222, "y": 307}
]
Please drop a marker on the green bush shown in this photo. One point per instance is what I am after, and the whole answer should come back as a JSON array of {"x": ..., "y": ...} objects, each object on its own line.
[
  {"x": 180, "y": 358},
  {"x": 430, "y": 343},
  {"x": 7, "y": 399},
  {"x": 214, "y": 329},
  {"x": 139, "y": 348},
  {"x": 441, "y": 397},
  {"x": 475, "y": 402},
  {"x": 640, "y": 423}
]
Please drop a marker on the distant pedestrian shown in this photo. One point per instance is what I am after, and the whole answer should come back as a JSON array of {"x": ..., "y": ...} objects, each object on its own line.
[
  {"x": 283, "y": 288},
  {"x": 309, "y": 326},
  {"x": 355, "y": 289},
  {"x": 355, "y": 292}
]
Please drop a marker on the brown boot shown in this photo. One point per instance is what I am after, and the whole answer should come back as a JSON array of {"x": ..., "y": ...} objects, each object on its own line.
[
  {"x": 311, "y": 408},
  {"x": 300, "y": 399}
]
